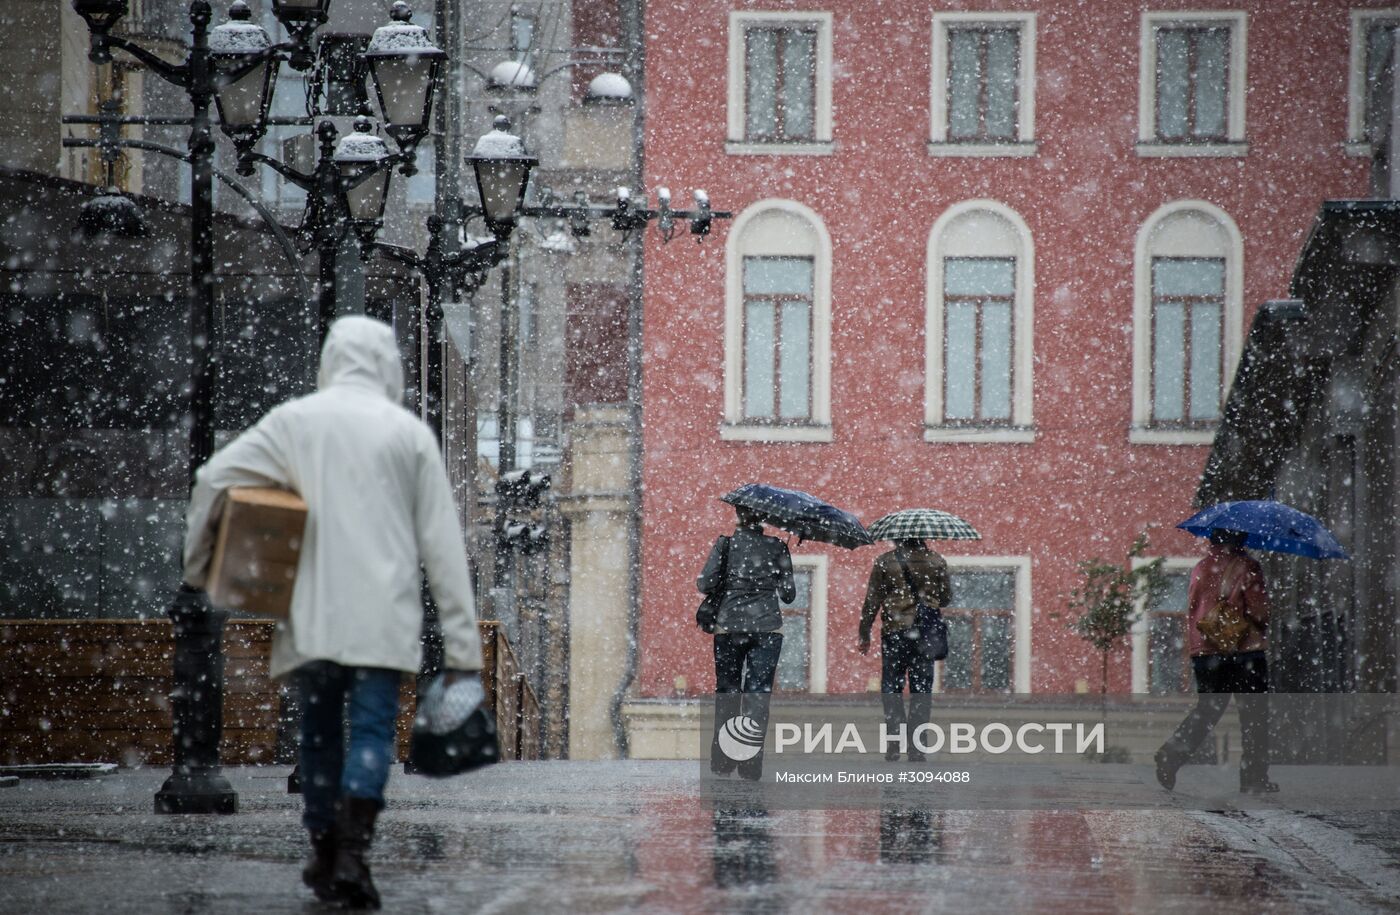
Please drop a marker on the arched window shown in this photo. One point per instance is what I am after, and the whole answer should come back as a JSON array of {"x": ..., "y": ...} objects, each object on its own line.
[
  {"x": 778, "y": 325},
  {"x": 981, "y": 284},
  {"x": 1187, "y": 316}
]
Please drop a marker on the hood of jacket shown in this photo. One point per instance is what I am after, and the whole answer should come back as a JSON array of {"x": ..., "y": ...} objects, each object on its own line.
[{"x": 363, "y": 352}]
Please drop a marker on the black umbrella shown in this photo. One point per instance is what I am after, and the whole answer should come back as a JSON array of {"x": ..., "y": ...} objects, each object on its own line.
[{"x": 802, "y": 514}]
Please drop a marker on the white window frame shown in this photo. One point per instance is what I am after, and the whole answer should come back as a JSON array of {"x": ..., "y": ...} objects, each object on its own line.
[
  {"x": 1142, "y": 432},
  {"x": 1139, "y": 633},
  {"x": 1022, "y": 428},
  {"x": 1021, "y": 615},
  {"x": 1361, "y": 21},
  {"x": 1148, "y": 144},
  {"x": 739, "y": 22},
  {"x": 1025, "y": 143},
  {"x": 734, "y": 427},
  {"x": 816, "y": 620}
]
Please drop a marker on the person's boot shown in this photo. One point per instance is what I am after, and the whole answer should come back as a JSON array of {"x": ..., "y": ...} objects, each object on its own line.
[
  {"x": 893, "y": 706},
  {"x": 1257, "y": 784},
  {"x": 1168, "y": 761},
  {"x": 920, "y": 708},
  {"x": 321, "y": 865},
  {"x": 354, "y": 832}
]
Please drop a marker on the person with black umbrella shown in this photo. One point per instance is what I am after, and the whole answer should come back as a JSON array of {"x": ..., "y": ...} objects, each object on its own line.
[{"x": 745, "y": 576}]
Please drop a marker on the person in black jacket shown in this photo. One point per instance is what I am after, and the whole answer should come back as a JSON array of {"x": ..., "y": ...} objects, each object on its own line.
[{"x": 752, "y": 571}]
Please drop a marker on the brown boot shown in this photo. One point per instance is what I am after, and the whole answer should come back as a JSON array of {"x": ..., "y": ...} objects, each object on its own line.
[
  {"x": 354, "y": 833},
  {"x": 319, "y": 867}
]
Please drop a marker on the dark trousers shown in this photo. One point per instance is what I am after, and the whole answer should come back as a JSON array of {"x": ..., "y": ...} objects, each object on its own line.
[
  {"x": 900, "y": 657},
  {"x": 745, "y": 663},
  {"x": 331, "y": 766},
  {"x": 1245, "y": 675}
]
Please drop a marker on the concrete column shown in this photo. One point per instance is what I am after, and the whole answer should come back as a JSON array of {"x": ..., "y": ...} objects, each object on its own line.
[{"x": 597, "y": 507}]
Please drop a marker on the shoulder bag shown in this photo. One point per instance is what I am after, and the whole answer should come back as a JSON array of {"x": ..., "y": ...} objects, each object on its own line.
[
  {"x": 707, "y": 616},
  {"x": 933, "y": 629}
]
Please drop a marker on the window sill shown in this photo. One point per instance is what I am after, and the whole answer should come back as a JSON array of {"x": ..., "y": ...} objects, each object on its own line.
[
  {"x": 736, "y": 432},
  {"x": 1359, "y": 148},
  {"x": 1145, "y": 435},
  {"x": 1192, "y": 150},
  {"x": 1016, "y": 435},
  {"x": 944, "y": 149},
  {"x": 740, "y": 148}
]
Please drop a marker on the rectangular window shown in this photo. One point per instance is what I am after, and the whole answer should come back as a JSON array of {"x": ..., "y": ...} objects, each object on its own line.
[
  {"x": 1165, "y": 620},
  {"x": 978, "y": 305},
  {"x": 1376, "y": 65},
  {"x": 984, "y": 65},
  {"x": 522, "y": 32},
  {"x": 795, "y": 664},
  {"x": 980, "y": 631},
  {"x": 778, "y": 339},
  {"x": 780, "y": 66},
  {"x": 1193, "y": 83},
  {"x": 1188, "y": 307}
]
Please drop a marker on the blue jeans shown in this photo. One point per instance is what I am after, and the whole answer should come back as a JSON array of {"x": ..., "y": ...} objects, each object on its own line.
[{"x": 331, "y": 767}]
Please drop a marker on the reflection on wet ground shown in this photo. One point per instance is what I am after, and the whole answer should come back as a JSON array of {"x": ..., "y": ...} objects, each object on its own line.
[{"x": 639, "y": 836}]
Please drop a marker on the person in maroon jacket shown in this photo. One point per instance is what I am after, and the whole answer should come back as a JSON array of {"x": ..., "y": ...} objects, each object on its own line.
[{"x": 1226, "y": 575}]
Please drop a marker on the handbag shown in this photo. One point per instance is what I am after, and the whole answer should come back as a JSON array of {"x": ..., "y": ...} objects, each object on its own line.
[
  {"x": 933, "y": 629},
  {"x": 1224, "y": 625},
  {"x": 453, "y": 731},
  {"x": 707, "y": 616}
]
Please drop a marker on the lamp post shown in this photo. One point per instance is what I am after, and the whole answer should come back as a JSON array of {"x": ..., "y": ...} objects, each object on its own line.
[
  {"x": 233, "y": 66},
  {"x": 196, "y": 784},
  {"x": 350, "y": 184}
]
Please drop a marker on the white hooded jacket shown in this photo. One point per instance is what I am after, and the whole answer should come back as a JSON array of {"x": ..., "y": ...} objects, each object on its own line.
[{"x": 378, "y": 505}]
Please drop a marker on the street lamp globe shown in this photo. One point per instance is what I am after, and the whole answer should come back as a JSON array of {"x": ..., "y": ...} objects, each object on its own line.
[
  {"x": 245, "y": 73},
  {"x": 404, "y": 63},
  {"x": 363, "y": 161},
  {"x": 514, "y": 75},
  {"x": 502, "y": 170},
  {"x": 110, "y": 214}
]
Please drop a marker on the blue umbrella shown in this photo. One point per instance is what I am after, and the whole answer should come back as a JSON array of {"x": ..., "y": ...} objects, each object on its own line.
[
  {"x": 1269, "y": 525},
  {"x": 802, "y": 514}
]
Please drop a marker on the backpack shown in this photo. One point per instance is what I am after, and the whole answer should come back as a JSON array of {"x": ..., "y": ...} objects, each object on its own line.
[{"x": 1225, "y": 625}]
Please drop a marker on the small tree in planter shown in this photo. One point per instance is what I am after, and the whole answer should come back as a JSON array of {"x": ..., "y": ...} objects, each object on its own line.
[{"x": 1108, "y": 602}]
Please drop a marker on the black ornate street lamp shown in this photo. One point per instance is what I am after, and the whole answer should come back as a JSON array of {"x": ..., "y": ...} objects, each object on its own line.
[
  {"x": 404, "y": 64},
  {"x": 245, "y": 74},
  {"x": 350, "y": 184},
  {"x": 502, "y": 168},
  {"x": 236, "y": 71},
  {"x": 362, "y": 162}
]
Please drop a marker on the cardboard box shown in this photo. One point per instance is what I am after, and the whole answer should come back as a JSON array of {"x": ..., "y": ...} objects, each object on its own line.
[{"x": 255, "y": 554}]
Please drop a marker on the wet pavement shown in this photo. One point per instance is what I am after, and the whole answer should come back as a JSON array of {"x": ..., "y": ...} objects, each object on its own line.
[{"x": 638, "y": 836}]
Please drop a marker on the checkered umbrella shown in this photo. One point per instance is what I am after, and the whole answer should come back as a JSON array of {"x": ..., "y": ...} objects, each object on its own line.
[{"x": 922, "y": 524}]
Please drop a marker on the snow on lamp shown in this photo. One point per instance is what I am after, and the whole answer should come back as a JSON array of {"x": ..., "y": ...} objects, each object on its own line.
[
  {"x": 502, "y": 170},
  {"x": 404, "y": 64},
  {"x": 363, "y": 161},
  {"x": 245, "y": 73}
]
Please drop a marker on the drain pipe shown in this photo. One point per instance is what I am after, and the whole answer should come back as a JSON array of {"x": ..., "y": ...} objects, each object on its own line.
[{"x": 633, "y": 70}]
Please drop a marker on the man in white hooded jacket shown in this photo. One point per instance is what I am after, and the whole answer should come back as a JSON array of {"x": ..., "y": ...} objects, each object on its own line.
[{"x": 378, "y": 508}]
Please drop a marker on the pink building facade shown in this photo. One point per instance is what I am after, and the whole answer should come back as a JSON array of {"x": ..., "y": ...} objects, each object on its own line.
[{"x": 998, "y": 260}]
